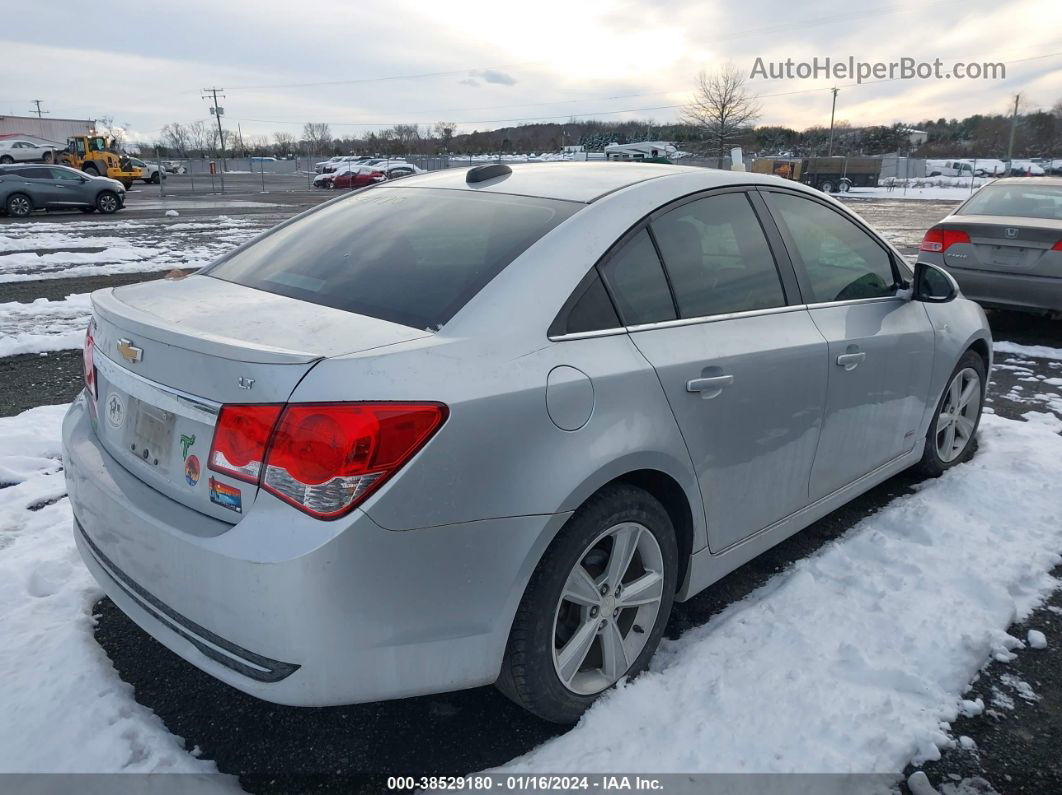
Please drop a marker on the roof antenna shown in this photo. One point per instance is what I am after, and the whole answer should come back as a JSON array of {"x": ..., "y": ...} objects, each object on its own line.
[{"x": 490, "y": 171}]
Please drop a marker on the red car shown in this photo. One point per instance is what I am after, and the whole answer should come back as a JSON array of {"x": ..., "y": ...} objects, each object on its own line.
[{"x": 358, "y": 178}]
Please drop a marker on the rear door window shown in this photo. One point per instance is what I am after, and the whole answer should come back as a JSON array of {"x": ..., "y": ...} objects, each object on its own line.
[
  {"x": 413, "y": 256},
  {"x": 717, "y": 257}
]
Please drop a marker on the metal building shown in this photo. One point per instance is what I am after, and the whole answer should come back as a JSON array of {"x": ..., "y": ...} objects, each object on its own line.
[{"x": 50, "y": 131}]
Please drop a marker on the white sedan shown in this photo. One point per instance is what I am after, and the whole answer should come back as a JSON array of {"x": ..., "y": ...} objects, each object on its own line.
[{"x": 14, "y": 150}]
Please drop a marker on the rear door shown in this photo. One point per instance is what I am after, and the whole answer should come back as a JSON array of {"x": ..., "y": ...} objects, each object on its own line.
[
  {"x": 880, "y": 341},
  {"x": 741, "y": 363},
  {"x": 41, "y": 186}
]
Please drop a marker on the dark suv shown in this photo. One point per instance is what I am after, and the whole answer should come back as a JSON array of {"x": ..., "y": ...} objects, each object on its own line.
[{"x": 24, "y": 189}]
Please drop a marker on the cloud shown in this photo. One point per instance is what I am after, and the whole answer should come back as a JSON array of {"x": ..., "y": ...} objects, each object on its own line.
[
  {"x": 468, "y": 81},
  {"x": 494, "y": 76}
]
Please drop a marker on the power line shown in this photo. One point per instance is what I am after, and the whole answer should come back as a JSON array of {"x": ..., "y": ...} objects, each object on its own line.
[{"x": 38, "y": 111}]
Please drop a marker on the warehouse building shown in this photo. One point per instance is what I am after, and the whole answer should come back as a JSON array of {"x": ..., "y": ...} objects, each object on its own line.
[{"x": 52, "y": 132}]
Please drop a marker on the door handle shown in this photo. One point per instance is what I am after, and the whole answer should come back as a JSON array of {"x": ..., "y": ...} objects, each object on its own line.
[
  {"x": 850, "y": 361},
  {"x": 709, "y": 387}
]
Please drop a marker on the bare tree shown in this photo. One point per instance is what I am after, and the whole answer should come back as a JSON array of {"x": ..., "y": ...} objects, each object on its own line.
[
  {"x": 106, "y": 125},
  {"x": 722, "y": 108},
  {"x": 444, "y": 131},
  {"x": 175, "y": 136},
  {"x": 200, "y": 136},
  {"x": 317, "y": 135},
  {"x": 285, "y": 142}
]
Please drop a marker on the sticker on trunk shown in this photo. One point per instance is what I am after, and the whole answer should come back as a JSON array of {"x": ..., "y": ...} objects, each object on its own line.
[
  {"x": 226, "y": 496},
  {"x": 192, "y": 470},
  {"x": 115, "y": 410}
]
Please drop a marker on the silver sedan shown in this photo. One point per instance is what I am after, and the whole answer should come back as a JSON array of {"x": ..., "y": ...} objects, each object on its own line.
[
  {"x": 1004, "y": 244},
  {"x": 486, "y": 426}
]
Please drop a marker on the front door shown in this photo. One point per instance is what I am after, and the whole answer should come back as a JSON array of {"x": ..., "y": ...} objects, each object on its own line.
[{"x": 880, "y": 342}]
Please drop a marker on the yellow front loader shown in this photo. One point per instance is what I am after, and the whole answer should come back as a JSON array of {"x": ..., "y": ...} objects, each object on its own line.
[{"x": 96, "y": 156}]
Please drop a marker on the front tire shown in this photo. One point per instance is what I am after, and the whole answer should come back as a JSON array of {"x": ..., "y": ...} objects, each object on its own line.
[
  {"x": 19, "y": 205},
  {"x": 952, "y": 436},
  {"x": 91, "y": 170},
  {"x": 6, "y": 160},
  {"x": 107, "y": 202},
  {"x": 596, "y": 606}
]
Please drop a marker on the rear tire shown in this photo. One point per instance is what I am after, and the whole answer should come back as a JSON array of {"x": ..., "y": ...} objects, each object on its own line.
[
  {"x": 826, "y": 187},
  {"x": 19, "y": 205},
  {"x": 568, "y": 645},
  {"x": 107, "y": 202},
  {"x": 953, "y": 441}
]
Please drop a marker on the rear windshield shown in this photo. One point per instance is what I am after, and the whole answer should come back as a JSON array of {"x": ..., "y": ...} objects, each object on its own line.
[
  {"x": 1032, "y": 201},
  {"x": 413, "y": 256}
]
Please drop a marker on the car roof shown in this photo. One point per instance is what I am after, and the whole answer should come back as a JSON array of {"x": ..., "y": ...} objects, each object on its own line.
[
  {"x": 574, "y": 181},
  {"x": 1054, "y": 182}
]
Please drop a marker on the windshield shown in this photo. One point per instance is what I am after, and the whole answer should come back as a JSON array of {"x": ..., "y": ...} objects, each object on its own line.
[
  {"x": 413, "y": 256},
  {"x": 1027, "y": 201}
]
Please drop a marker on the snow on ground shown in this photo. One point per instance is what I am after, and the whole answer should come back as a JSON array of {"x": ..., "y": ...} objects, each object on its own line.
[
  {"x": 855, "y": 659},
  {"x": 942, "y": 193},
  {"x": 1038, "y": 351},
  {"x": 64, "y": 708},
  {"x": 94, "y": 248},
  {"x": 43, "y": 325}
]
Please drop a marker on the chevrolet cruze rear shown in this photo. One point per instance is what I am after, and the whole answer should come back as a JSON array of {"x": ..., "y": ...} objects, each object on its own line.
[{"x": 486, "y": 426}]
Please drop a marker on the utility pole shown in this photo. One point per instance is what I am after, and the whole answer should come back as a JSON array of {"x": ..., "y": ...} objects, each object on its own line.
[
  {"x": 38, "y": 102},
  {"x": 212, "y": 93},
  {"x": 833, "y": 110},
  {"x": 1013, "y": 125}
]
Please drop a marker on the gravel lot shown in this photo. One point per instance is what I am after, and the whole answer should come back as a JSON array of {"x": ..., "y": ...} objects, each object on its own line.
[{"x": 349, "y": 749}]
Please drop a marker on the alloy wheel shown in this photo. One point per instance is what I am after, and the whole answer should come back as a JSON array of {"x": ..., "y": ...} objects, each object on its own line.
[
  {"x": 608, "y": 608},
  {"x": 108, "y": 203},
  {"x": 19, "y": 206},
  {"x": 958, "y": 415}
]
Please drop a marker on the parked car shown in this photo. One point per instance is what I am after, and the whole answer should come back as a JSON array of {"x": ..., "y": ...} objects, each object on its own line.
[
  {"x": 949, "y": 168},
  {"x": 149, "y": 172},
  {"x": 319, "y": 167},
  {"x": 357, "y": 177},
  {"x": 1003, "y": 245},
  {"x": 15, "y": 150},
  {"x": 173, "y": 167},
  {"x": 486, "y": 425},
  {"x": 350, "y": 160},
  {"x": 24, "y": 189},
  {"x": 1026, "y": 168}
]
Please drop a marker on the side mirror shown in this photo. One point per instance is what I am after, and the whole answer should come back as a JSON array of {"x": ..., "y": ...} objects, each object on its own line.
[{"x": 933, "y": 284}]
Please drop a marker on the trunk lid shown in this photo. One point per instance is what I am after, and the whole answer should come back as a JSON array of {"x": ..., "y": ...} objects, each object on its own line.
[
  {"x": 1007, "y": 245},
  {"x": 169, "y": 354}
]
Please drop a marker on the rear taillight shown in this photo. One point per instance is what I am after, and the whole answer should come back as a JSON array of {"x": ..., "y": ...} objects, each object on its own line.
[
  {"x": 240, "y": 440},
  {"x": 938, "y": 239},
  {"x": 88, "y": 357},
  {"x": 323, "y": 458},
  {"x": 1057, "y": 246}
]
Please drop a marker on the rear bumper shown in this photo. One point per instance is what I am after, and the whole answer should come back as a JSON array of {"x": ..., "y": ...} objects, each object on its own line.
[
  {"x": 294, "y": 610},
  {"x": 1009, "y": 290}
]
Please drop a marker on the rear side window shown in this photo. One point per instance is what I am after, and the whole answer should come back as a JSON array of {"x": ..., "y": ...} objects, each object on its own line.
[
  {"x": 637, "y": 282},
  {"x": 841, "y": 262},
  {"x": 717, "y": 257},
  {"x": 413, "y": 256},
  {"x": 592, "y": 310}
]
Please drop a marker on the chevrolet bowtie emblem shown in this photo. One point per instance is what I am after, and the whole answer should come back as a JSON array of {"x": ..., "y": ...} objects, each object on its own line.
[{"x": 129, "y": 351}]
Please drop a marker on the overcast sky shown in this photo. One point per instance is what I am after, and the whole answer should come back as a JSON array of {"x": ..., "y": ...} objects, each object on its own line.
[{"x": 365, "y": 64}]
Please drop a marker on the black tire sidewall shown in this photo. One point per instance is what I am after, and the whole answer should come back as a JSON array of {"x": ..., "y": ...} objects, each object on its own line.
[
  {"x": 531, "y": 677},
  {"x": 931, "y": 462}
]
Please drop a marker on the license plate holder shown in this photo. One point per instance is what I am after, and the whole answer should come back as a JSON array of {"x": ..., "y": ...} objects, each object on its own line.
[
  {"x": 1004, "y": 255},
  {"x": 152, "y": 432}
]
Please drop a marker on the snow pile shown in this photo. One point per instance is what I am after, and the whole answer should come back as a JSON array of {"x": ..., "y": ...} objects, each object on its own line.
[
  {"x": 172, "y": 213},
  {"x": 854, "y": 659},
  {"x": 64, "y": 709},
  {"x": 1038, "y": 351},
  {"x": 44, "y": 325},
  {"x": 1036, "y": 639}
]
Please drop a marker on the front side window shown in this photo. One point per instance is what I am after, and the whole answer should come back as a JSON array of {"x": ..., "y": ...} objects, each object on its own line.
[
  {"x": 840, "y": 261},
  {"x": 717, "y": 257},
  {"x": 413, "y": 256},
  {"x": 638, "y": 283}
]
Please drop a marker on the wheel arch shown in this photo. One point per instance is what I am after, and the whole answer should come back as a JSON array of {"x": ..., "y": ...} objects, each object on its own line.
[{"x": 982, "y": 348}]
